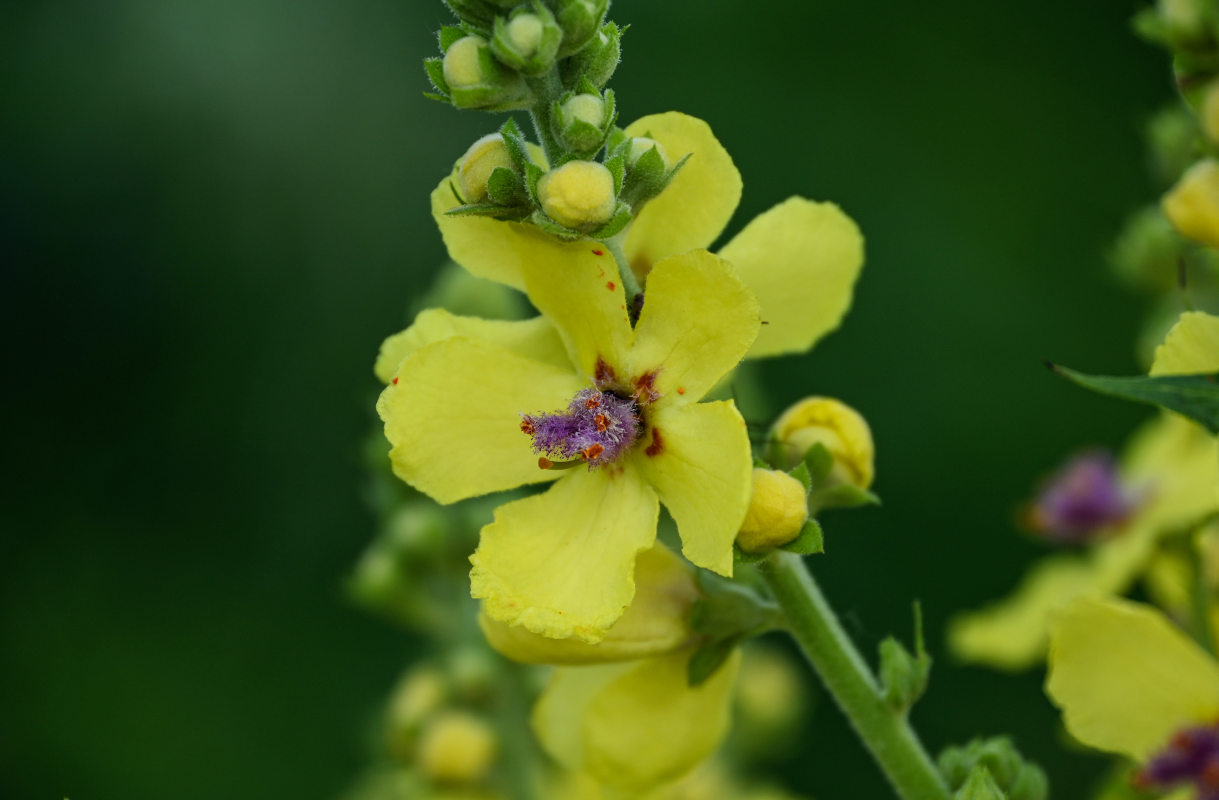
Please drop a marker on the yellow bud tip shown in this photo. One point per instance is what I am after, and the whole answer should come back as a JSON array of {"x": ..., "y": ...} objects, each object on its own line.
[
  {"x": 525, "y": 34},
  {"x": 839, "y": 428},
  {"x": 641, "y": 145},
  {"x": 462, "y": 69},
  {"x": 419, "y": 694},
  {"x": 585, "y": 107},
  {"x": 778, "y": 510},
  {"x": 456, "y": 748},
  {"x": 579, "y": 194},
  {"x": 477, "y": 164},
  {"x": 1192, "y": 206}
]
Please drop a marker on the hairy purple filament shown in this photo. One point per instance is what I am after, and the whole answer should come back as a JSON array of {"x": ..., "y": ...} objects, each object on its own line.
[
  {"x": 1191, "y": 757},
  {"x": 1084, "y": 496},
  {"x": 597, "y": 427}
]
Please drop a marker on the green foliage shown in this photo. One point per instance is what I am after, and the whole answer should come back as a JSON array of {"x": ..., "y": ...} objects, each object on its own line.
[
  {"x": 1016, "y": 778},
  {"x": 1193, "y": 396},
  {"x": 904, "y": 677},
  {"x": 726, "y": 614}
]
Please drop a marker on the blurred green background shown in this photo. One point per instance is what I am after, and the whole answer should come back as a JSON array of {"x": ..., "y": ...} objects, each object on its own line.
[{"x": 212, "y": 212}]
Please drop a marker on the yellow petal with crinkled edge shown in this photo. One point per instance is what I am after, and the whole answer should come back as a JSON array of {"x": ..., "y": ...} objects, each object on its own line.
[
  {"x": 1191, "y": 346},
  {"x": 698, "y": 321},
  {"x": 490, "y": 248},
  {"x": 654, "y": 703},
  {"x": 656, "y": 621},
  {"x": 697, "y": 457},
  {"x": 1125, "y": 678},
  {"x": 692, "y": 210},
  {"x": 453, "y": 417},
  {"x": 801, "y": 259},
  {"x": 532, "y": 338},
  {"x": 562, "y": 563},
  {"x": 581, "y": 293}
]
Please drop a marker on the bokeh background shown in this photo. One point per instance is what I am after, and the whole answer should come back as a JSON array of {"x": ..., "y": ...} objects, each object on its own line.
[{"x": 212, "y": 211}]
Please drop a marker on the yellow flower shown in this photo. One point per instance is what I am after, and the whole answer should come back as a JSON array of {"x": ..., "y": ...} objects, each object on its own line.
[
  {"x": 560, "y": 563},
  {"x": 1172, "y": 460},
  {"x": 1193, "y": 204},
  {"x": 841, "y": 429},
  {"x": 1126, "y": 679},
  {"x": 800, "y": 258}
]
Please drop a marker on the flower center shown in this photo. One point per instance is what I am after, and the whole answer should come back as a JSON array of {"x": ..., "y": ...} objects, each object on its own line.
[
  {"x": 1083, "y": 498},
  {"x": 596, "y": 428},
  {"x": 1191, "y": 758}
]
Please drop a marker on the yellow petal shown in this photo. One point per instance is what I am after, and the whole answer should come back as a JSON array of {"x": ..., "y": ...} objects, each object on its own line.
[
  {"x": 656, "y": 621},
  {"x": 594, "y": 718},
  {"x": 1193, "y": 204},
  {"x": 581, "y": 293},
  {"x": 1125, "y": 678},
  {"x": 453, "y": 417},
  {"x": 702, "y": 469},
  {"x": 1191, "y": 346},
  {"x": 697, "y": 322},
  {"x": 801, "y": 259},
  {"x": 1175, "y": 464},
  {"x": 533, "y": 338},
  {"x": 692, "y": 210},
  {"x": 654, "y": 703},
  {"x": 490, "y": 248},
  {"x": 1012, "y": 634},
  {"x": 562, "y": 563}
]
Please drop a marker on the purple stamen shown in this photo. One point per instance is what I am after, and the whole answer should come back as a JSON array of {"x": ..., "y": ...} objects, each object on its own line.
[
  {"x": 1192, "y": 757},
  {"x": 1083, "y": 497},
  {"x": 597, "y": 427}
]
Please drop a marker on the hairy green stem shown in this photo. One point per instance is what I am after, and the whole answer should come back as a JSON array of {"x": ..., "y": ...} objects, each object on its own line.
[
  {"x": 885, "y": 732},
  {"x": 630, "y": 283},
  {"x": 546, "y": 91}
]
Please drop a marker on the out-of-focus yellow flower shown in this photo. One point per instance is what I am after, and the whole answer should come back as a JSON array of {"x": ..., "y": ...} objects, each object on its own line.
[
  {"x": 462, "y": 390},
  {"x": 800, "y": 258},
  {"x": 778, "y": 510},
  {"x": 841, "y": 429},
  {"x": 1174, "y": 461},
  {"x": 1193, "y": 204},
  {"x": 456, "y": 747}
]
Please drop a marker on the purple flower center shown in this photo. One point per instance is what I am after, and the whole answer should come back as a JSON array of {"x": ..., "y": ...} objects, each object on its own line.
[
  {"x": 1192, "y": 757},
  {"x": 1082, "y": 498},
  {"x": 597, "y": 428}
]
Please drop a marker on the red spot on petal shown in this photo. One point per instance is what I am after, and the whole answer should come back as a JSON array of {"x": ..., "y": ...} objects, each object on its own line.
[
  {"x": 610, "y": 286},
  {"x": 603, "y": 373},
  {"x": 598, "y": 252},
  {"x": 395, "y": 381},
  {"x": 681, "y": 390},
  {"x": 658, "y": 444},
  {"x": 645, "y": 388}
]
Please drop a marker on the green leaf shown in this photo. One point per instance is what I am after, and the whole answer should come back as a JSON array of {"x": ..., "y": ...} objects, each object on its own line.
[
  {"x": 435, "y": 73},
  {"x": 707, "y": 659},
  {"x": 1193, "y": 396},
  {"x": 448, "y": 35},
  {"x": 811, "y": 540},
  {"x": 842, "y": 495},
  {"x": 903, "y": 677}
]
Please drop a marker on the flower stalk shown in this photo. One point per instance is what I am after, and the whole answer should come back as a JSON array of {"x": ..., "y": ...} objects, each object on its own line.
[{"x": 886, "y": 733}]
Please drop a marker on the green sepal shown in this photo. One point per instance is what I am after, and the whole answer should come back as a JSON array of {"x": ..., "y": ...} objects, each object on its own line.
[
  {"x": 449, "y": 34},
  {"x": 518, "y": 149},
  {"x": 616, "y": 139},
  {"x": 1015, "y": 777},
  {"x": 440, "y": 98},
  {"x": 903, "y": 677},
  {"x": 474, "y": 13},
  {"x": 745, "y": 557},
  {"x": 515, "y": 213},
  {"x": 1192, "y": 396},
  {"x": 542, "y": 59},
  {"x": 435, "y": 73},
  {"x": 616, "y": 164},
  {"x": 980, "y": 786},
  {"x": 819, "y": 460},
  {"x": 533, "y": 174},
  {"x": 810, "y": 540},
  {"x": 621, "y": 218},
  {"x": 597, "y": 61},
  {"x": 759, "y": 463},
  {"x": 726, "y": 614},
  {"x": 802, "y": 474},
  {"x": 505, "y": 187},
  {"x": 707, "y": 659},
  {"x": 841, "y": 495}
]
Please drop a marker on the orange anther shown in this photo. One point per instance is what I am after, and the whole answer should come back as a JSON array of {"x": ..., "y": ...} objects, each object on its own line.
[
  {"x": 592, "y": 451},
  {"x": 602, "y": 422},
  {"x": 527, "y": 427},
  {"x": 544, "y": 462}
]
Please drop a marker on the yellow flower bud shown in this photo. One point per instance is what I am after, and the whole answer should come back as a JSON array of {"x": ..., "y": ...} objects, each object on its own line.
[
  {"x": 1193, "y": 204},
  {"x": 483, "y": 156},
  {"x": 585, "y": 107},
  {"x": 778, "y": 510},
  {"x": 1210, "y": 111},
  {"x": 462, "y": 63},
  {"x": 419, "y": 694},
  {"x": 837, "y": 426},
  {"x": 641, "y": 145},
  {"x": 578, "y": 195},
  {"x": 456, "y": 748},
  {"x": 656, "y": 621},
  {"x": 524, "y": 33}
]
